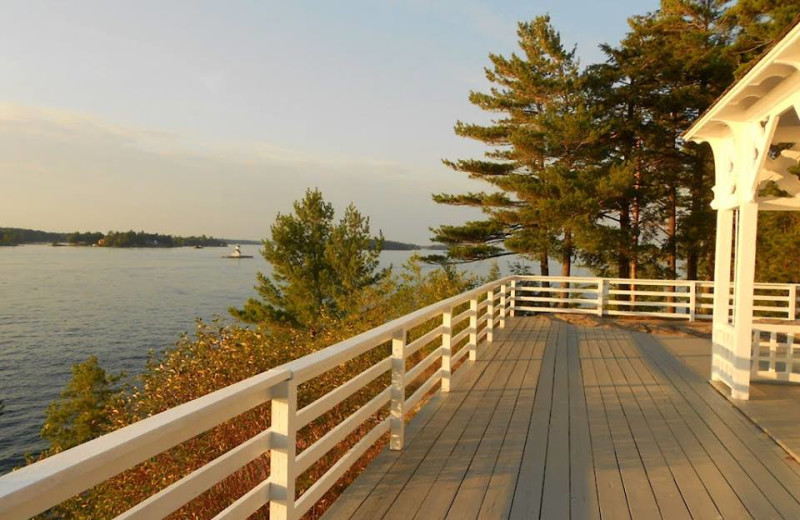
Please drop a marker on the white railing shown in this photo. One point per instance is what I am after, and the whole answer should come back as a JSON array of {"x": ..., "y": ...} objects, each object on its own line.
[
  {"x": 434, "y": 339},
  {"x": 723, "y": 358},
  {"x": 683, "y": 299},
  {"x": 776, "y": 352},
  {"x": 449, "y": 333}
]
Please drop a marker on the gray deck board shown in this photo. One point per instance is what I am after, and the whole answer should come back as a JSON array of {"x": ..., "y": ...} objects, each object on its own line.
[{"x": 560, "y": 421}]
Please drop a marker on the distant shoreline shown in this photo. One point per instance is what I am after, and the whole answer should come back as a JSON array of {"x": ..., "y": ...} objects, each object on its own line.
[{"x": 10, "y": 237}]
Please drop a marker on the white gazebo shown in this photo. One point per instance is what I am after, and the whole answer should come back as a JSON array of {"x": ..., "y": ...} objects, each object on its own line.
[{"x": 754, "y": 131}]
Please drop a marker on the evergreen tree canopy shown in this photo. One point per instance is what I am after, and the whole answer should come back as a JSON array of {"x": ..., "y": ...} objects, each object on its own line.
[
  {"x": 656, "y": 189},
  {"x": 81, "y": 412},
  {"x": 756, "y": 25},
  {"x": 537, "y": 163},
  {"x": 318, "y": 266},
  {"x": 589, "y": 164}
]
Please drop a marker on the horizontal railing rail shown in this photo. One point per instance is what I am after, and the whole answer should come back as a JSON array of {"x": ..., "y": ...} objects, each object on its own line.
[
  {"x": 422, "y": 349},
  {"x": 776, "y": 352},
  {"x": 434, "y": 352},
  {"x": 682, "y": 299}
]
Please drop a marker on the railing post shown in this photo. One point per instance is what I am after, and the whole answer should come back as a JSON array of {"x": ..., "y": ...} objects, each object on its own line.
[
  {"x": 473, "y": 329},
  {"x": 447, "y": 347},
  {"x": 503, "y": 306},
  {"x": 283, "y": 471},
  {"x": 792, "y": 302},
  {"x": 513, "y": 297},
  {"x": 490, "y": 319},
  {"x": 601, "y": 297},
  {"x": 692, "y": 300},
  {"x": 397, "y": 420}
]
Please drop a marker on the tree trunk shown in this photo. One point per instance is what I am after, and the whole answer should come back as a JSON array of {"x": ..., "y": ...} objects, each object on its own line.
[
  {"x": 692, "y": 265},
  {"x": 636, "y": 218},
  {"x": 623, "y": 258},
  {"x": 544, "y": 268},
  {"x": 566, "y": 264},
  {"x": 672, "y": 233},
  {"x": 544, "y": 263},
  {"x": 672, "y": 240}
]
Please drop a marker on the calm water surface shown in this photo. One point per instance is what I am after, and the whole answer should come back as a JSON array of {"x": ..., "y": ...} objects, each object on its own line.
[{"x": 59, "y": 305}]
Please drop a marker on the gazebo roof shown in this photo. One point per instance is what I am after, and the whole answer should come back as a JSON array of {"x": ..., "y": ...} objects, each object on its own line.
[
  {"x": 754, "y": 131},
  {"x": 756, "y": 93}
]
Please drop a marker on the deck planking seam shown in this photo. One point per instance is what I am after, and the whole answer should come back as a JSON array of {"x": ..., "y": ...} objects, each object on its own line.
[
  {"x": 527, "y": 499},
  {"x": 422, "y": 433},
  {"x": 739, "y": 423},
  {"x": 583, "y": 484},
  {"x": 763, "y": 466},
  {"x": 668, "y": 497},
  {"x": 471, "y": 491},
  {"x": 694, "y": 494},
  {"x": 386, "y": 492},
  {"x": 500, "y": 491},
  {"x": 602, "y": 423},
  {"x": 737, "y": 475},
  {"x": 471, "y": 425}
]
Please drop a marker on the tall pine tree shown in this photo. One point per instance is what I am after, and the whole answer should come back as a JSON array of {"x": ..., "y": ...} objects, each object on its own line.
[
  {"x": 669, "y": 68},
  {"x": 538, "y": 161}
]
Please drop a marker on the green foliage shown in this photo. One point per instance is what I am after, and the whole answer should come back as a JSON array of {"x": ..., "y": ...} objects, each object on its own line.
[
  {"x": 319, "y": 267},
  {"x": 14, "y": 236},
  {"x": 590, "y": 165},
  {"x": 655, "y": 189},
  {"x": 778, "y": 247},
  {"x": 84, "y": 239},
  {"x": 143, "y": 239},
  {"x": 756, "y": 25},
  {"x": 536, "y": 165},
  {"x": 81, "y": 413}
]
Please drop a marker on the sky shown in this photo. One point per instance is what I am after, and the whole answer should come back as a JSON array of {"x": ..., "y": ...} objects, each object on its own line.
[{"x": 210, "y": 117}]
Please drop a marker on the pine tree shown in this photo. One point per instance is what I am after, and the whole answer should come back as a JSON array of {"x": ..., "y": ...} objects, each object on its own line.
[
  {"x": 81, "y": 413},
  {"x": 668, "y": 69},
  {"x": 537, "y": 163},
  {"x": 756, "y": 25},
  {"x": 318, "y": 266}
]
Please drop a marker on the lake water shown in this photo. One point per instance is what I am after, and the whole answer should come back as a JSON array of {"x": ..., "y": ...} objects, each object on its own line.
[{"x": 59, "y": 305}]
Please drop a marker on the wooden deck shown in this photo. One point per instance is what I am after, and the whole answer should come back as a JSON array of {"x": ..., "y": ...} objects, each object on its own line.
[{"x": 559, "y": 421}]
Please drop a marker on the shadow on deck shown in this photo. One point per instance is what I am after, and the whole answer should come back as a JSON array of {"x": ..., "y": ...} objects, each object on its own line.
[{"x": 562, "y": 421}]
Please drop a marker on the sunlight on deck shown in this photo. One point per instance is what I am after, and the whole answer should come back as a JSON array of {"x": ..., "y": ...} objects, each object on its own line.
[{"x": 557, "y": 421}]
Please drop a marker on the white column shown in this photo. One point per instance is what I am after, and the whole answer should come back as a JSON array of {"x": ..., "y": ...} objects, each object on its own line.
[
  {"x": 283, "y": 451},
  {"x": 692, "y": 300},
  {"x": 743, "y": 300},
  {"x": 397, "y": 421},
  {"x": 722, "y": 286}
]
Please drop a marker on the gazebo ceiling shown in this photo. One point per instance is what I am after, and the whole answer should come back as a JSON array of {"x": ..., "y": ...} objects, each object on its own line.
[{"x": 754, "y": 131}]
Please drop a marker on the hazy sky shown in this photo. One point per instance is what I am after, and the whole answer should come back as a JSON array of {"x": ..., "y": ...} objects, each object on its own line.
[{"x": 192, "y": 117}]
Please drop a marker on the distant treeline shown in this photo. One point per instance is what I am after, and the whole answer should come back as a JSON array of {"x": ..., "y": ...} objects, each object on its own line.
[
  {"x": 15, "y": 236},
  {"x": 391, "y": 245}
]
